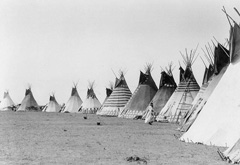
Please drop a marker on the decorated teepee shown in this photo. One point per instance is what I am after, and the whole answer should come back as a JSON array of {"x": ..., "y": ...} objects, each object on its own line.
[
  {"x": 166, "y": 88},
  {"x": 52, "y": 106},
  {"x": 218, "y": 123},
  {"x": 91, "y": 104},
  {"x": 74, "y": 103},
  {"x": 180, "y": 101},
  {"x": 142, "y": 96},
  {"x": 217, "y": 69},
  {"x": 7, "y": 103},
  {"x": 28, "y": 103},
  {"x": 118, "y": 98}
]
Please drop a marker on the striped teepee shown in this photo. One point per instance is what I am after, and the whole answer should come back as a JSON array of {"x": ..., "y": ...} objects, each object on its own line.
[
  {"x": 186, "y": 91},
  {"x": 118, "y": 98}
]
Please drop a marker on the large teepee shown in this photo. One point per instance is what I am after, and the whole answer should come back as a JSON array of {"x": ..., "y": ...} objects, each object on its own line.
[
  {"x": 219, "y": 66},
  {"x": 52, "y": 106},
  {"x": 74, "y": 102},
  {"x": 142, "y": 96},
  {"x": 183, "y": 96},
  {"x": 118, "y": 98},
  {"x": 29, "y": 103},
  {"x": 91, "y": 104},
  {"x": 7, "y": 103},
  {"x": 218, "y": 123},
  {"x": 166, "y": 88}
]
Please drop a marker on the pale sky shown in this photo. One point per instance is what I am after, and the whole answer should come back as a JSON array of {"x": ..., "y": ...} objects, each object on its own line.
[{"x": 52, "y": 43}]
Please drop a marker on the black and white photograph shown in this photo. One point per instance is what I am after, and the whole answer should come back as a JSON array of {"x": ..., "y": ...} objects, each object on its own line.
[{"x": 128, "y": 82}]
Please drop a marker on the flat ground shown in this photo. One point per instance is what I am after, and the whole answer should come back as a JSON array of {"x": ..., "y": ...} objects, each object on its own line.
[{"x": 64, "y": 138}]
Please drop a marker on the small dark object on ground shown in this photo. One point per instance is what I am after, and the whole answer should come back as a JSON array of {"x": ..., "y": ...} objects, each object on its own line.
[
  {"x": 150, "y": 123},
  {"x": 64, "y": 130},
  {"x": 98, "y": 123},
  {"x": 85, "y": 117},
  {"x": 136, "y": 159}
]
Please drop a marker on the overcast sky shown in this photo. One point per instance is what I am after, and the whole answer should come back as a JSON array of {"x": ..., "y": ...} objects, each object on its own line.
[{"x": 52, "y": 43}]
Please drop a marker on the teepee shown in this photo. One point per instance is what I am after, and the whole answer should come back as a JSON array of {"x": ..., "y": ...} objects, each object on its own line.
[
  {"x": 7, "y": 103},
  {"x": 166, "y": 88},
  {"x": 108, "y": 92},
  {"x": 142, "y": 96},
  {"x": 217, "y": 70},
  {"x": 232, "y": 154},
  {"x": 218, "y": 123},
  {"x": 183, "y": 96},
  {"x": 117, "y": 99},
  {"x": 91, "y": 104},
  {"x": 52, "y": 106},
  {"x": 74, "y": 102},
  {"x": 28, "y": 103}
]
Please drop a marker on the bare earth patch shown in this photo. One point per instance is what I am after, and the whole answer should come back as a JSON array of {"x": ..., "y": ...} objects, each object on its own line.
[{"x": 64, "y": 138}]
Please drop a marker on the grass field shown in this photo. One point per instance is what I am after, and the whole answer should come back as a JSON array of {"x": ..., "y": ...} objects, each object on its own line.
[{"x": 64, "y": 138}]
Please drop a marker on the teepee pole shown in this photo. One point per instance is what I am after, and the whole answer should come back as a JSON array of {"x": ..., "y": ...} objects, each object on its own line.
[{"x": 237, "y": 11}]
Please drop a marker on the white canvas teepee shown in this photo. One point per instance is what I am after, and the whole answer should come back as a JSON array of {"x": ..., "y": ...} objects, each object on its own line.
[
  {"x": 142, "y": 96},
  {"x": 218, "y": 123},
  {"x": 74, "y": 102},
  {"x": 180, "y": 101},
  {"x": 221, "y": 61},
  {"x": 166, "y": 88},
  {"x": 7, "y": 103},
  {"x": 118, "y": 98},
  {"x": 91, "y": 104},
  {"x": 29, "y": 103},
  {"x": 232, "y": 154},
  {"x": 52, "y": 106}
]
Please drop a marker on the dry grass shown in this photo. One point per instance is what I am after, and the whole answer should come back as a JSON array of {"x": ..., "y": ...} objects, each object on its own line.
[{"x": 54, "y": 138}]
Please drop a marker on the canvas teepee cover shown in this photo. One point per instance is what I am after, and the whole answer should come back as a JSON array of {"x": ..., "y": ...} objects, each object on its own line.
[
  {"x": 221, "y": 61},
  {"x": 91, "y": 104},
  {"x": 108, "y": 93},
  {"x": 118, "y": 98},
  {"x": 28, "y": 103},
  {"x": 166, "y": 88},
  {"x": 7, "y": 103},
  {"x": 142, "y": 96},
  {"x": 232, "y": 154},
  {"x": 218, "y": 123},
  {"x": 52, "y": 106},
  {"x": 180, "y": 101},
  {"x": 74, "y": 102}
]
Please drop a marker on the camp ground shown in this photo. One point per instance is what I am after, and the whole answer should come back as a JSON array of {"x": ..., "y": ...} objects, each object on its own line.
[{"x": 174, "y": 99}]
